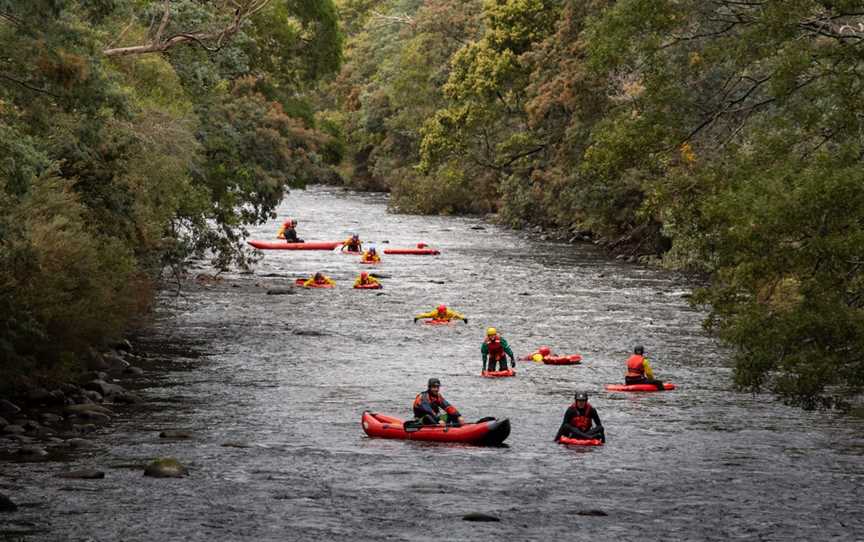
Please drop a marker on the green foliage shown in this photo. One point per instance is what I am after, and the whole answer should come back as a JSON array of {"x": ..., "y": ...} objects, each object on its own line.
[{"x": 113, "y": 168}]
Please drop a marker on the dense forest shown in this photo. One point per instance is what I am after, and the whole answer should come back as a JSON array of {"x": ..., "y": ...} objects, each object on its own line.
[{"x": 722, "y": 137}]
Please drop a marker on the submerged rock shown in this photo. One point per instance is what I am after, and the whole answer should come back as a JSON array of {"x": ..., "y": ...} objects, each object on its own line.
[
  {"x": 6, "y": 504},
  {"x": 8, "y": 408},
  {"x": 166, "y": 468},
  {"x": 85, "y": 474},
  {"x": 479, "y": 516},
  {"x": 32, "y": 451},
  {"x": 80, "y": 444},
  {"x": 281, "y": 291},
  {"x": 174, "y": 434},
  {"x": 591, "y": 513},
  {"x": 78, "y": 409}
]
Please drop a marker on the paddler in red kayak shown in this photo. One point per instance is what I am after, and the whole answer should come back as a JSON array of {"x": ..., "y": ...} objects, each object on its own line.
[
  {"x": 288, "y": 232},
  {"x": 544, "y": 352},
  {"x": 441, "y": 313},
  {"x": 370, "y": 256},
  {"x": 496, "y": 350},
  {"x": 352, "y": 244},
  {"x": 428, "y": 404},
  {"x": 365, "y": 280},
  {"x": 319, "y": 279},
  {"x": 639, "y": 370},
  {"x": 579, "y": 419}
]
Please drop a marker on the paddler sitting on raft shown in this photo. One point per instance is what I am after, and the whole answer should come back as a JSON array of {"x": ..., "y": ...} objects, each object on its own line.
[
  {"x": 496, "y": 349},
  {"x": 287, "y": 231},
  {"x": 365, "y": 280},
  {"x": 352, "y": 244},
  {"x": 639, "y": 370},
  {"x": 370, "y": 256},
  {"x": 578, "y": 421},
  {"x": 429, "y": 403},
  {"x": 441, "y": 313},
  {"x": 319, "y": 279}
]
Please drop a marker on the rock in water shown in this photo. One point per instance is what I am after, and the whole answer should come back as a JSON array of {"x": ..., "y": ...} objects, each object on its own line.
[
  {"x": 591, "y": 513},
  {"x": 86, "y": 474},
  {"x": 174, "y": 434},
  {"x": 478, "y": 516},
  {"x": 6, "y": 504},
  {"x": 166, "y": 468}
]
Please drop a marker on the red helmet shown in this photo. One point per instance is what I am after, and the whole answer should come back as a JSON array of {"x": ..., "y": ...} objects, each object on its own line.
[
  {"x": 364, "y": 275},
  {"x": 442, "y": 309},
  {"x": 544, "y": 350}
]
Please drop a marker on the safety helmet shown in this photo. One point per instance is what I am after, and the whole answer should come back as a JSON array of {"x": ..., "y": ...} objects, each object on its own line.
[
  {"x": 433, "y": 382},
  {"x": 364, "y": 275},
  {"x": 355, "y": 236},
  {"x": 442, "y": 309},
  {"x": 639, "y": 350},
  {"x": 581, "y": 396},
  {"x": 319, "y": 275},
  {"x": 491, "y": 331},
  {"x": 545, "y": 350}
]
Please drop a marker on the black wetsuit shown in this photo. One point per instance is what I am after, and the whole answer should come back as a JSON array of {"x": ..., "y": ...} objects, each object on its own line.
[
  {"x": 291, "y": 236},
  {"x": 567, "y": 430}
]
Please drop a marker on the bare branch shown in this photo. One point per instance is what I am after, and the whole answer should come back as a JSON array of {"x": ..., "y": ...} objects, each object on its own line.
[{"x": 165, "y": 16}]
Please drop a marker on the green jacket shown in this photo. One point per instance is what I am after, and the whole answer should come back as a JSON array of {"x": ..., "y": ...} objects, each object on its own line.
[{"x": 485, "y": 349}]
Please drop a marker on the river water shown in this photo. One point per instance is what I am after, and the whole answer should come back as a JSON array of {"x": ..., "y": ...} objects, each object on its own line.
[{"x": 283, "y": 380}]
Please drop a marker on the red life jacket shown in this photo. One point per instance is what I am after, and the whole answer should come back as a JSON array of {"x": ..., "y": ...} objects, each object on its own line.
[
  {"x": 635, "y": 366},
  {"x": 582, "y": 421},
  {"x": 496, "y": 351}
]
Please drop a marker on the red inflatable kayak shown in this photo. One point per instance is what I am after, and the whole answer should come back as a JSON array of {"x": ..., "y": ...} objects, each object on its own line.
[
  {"x": 638, "y": 387},
  {"x": 483, "y": 433},
  {"x": 438, "y": 322},
  {"x": 498, "y": 374},
  {"x": 368, "y": 287},
  {"x": 282, "y": 245},
  {"x": 301, "y": 282},
  {"x": 415, "y": 251},
  {"x": 580, "y": 441},
  {"x": 364, "y": 262},
  {"x": 573, "y": 359}
]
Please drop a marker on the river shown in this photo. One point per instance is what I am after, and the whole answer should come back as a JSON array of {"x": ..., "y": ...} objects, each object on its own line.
[{"x": 283, "y": 379}]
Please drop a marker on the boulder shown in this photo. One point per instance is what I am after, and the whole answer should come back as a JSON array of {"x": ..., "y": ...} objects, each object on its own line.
[
  {"x": 32, "y": 451},
  {"x": 128, "y": 398},
  {"x": 39, "y": 396},
  {"x": 105, "y": 388},
  {"x": 84, "y": 474},
  {"x": 77, "y": 409},
  {"x": 95, "y": 361},
  {"x": 94, "y": 416},
  {"x": 166, "y": 468},
  {"x": 115, "y": 361},
  {"x": 3, "y": 423},
  {"x": 93, "y": 396},
  {"x": 134, "y": 371},
  {"x": 124, "y": 346}
]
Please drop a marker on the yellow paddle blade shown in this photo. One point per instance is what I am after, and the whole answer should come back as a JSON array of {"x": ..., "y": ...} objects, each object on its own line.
[{"x": 537, "y": 357}]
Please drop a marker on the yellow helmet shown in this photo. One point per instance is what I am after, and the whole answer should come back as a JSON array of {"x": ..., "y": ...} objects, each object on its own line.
[{"x": 491, "y": 331}]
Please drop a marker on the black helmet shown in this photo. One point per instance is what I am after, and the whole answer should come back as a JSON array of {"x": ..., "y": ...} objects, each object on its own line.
[
  {"x": 581, "y": 396},
  {"x": 433, "y": 382},
  {"x": 639, "y": 350}
]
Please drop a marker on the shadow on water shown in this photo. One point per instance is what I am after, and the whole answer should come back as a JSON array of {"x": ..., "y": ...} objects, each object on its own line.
[{"x": 272, "y": 388}]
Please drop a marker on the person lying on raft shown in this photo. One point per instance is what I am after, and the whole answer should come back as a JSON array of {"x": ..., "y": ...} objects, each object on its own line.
[
  {"x": 352, "y": 244},
  {"x": 287, "y": 231},
  {"x": 370, "y": 256},
  {"x": 544, "y": 352},
  {"x": 431, "y": 408},
  {"x": 578, "y": 421},
  {"x": 639, "y": 370},
  {"x": 441, "y": 313},
  {"x": 365, "y": 280},
  {"x": 496, "y": 350},
  {"x": 319, "y": 279}
]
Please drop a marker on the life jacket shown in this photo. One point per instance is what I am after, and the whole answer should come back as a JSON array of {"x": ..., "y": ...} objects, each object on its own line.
[
  {"x": 582, "y": 421},
  {"x": 369, "y": 257},
  {"x": 436, "y": 403},
  {"x": 496, "y": 349},
  {"x": 635, "y": 366}
]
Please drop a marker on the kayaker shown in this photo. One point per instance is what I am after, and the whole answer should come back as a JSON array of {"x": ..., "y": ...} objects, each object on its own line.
[
  {"x": 441, "y": 313},
  {"x": 581, "y": 421},
  {"x": 428, "y": 404},
  {"x": 352, "y": 244},
  {"x": 365, "y": 280},
  {"x": 288, "y": 232},
  {"x": 639, "y": 370},
  {"x": 319, "y": 279},
  {"x": 370, "y": 256},
  {"x": 496, "y": 350}
]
